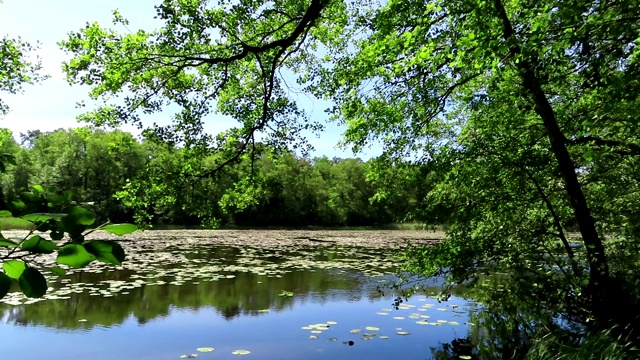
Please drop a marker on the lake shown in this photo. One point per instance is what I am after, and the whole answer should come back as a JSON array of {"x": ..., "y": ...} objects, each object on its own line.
[{"x": 260, "y": 294}]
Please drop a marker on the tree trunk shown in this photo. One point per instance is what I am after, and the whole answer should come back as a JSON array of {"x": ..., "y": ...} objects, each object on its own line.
[{"x": 598, "y": 267}]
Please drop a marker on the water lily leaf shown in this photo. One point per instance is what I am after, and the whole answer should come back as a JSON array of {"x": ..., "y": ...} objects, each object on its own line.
[
  {"x": 355, "y": 331},
  {"x": 75, "y": 256},
  {"x": 32, "y": 283},
  {"x": 120, "y": 229},
  {"x": 372, "y": 328},
  {"x": 205, "y": 349},
  {"x": 14, "y": 268},
  {"x": 241, "y": 352},
  {"x": 403, "y": 333}
]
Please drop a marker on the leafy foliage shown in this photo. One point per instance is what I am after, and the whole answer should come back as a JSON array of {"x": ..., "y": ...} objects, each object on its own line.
[
  {"x": 519, "y": 115},
  {"x": 66, "y": 225}
]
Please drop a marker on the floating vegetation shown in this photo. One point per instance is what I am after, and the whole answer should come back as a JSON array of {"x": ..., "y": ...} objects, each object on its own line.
[
  {"x": 199, "y": 274},
  {"x": 241, "y": 352},
  {"x": 368, "y": 336}
]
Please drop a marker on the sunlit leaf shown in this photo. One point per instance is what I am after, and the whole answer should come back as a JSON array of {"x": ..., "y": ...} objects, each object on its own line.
[
  {"x": 39, "y": 245},
  {"x": 58, "y": 271},
  {"x": 74, "y": 255},
  {"x": 120, "y": 229},
  {"x": 14, "y": 268},
  {"x": 42, "y": 216},
  {"x": 109, "y": 252}
]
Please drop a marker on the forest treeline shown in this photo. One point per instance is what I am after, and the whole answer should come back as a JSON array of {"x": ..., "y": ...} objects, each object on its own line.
[{"x": 104, "y": 170}]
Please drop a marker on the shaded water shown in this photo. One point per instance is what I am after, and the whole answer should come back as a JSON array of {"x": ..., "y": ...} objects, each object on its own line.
[{"x": 168, "y": 302}]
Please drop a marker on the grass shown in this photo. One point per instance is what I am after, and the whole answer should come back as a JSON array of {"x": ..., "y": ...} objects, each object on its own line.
[{"x": 11, "y": 223}]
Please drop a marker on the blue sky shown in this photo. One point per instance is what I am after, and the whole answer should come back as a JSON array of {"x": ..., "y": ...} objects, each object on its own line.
[{"x": 51, "y": 104}]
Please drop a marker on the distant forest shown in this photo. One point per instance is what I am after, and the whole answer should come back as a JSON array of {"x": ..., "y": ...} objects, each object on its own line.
[{"x": 106, "y": 171}]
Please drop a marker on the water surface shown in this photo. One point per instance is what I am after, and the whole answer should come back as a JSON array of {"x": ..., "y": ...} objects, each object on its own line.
[{"x": 168, "y": 301}]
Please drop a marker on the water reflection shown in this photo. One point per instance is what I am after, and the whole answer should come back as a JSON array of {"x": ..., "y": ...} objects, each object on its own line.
[{"x": 177, "y": 299}]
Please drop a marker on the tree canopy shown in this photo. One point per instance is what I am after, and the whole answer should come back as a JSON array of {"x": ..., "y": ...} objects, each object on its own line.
[{"x": 523, "y": 113}]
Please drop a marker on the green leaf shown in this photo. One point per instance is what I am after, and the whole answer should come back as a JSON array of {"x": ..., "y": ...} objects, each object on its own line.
[
  {"x": 56, "y": 270},
  {"x": 109, "y": 252},
  {"x": 5, "y": 284},
  {"x": 32, "y": 283},
  {"x": 39, "y": 245},
  {"x": 120, "y": 229},
  {"x": 5, "y": 213},
  {"x": 38, "y": 188},
  {"x": 4, "y": 242},
  {"x": 75, "y": 256},
  {"x": 14, "y": 268},
  {"x": 42, "y": 216},
  {"x": 79, "y": 216},
  {"x": 9, "y": 158}
]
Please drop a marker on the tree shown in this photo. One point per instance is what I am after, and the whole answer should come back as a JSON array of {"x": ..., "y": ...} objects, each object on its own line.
[
  {"x": 51, "y": 213},
  {"x": 504, "y": 91},
  {"x": 15, "y": 69},
  {"x": 515, "y": 106}
]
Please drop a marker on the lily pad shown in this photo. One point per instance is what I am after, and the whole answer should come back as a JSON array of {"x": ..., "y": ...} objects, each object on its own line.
[
  {"x": 205, "y": 349},
  {"x": 241, "y": 352},
  {"x": 372, "y": 328}
]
